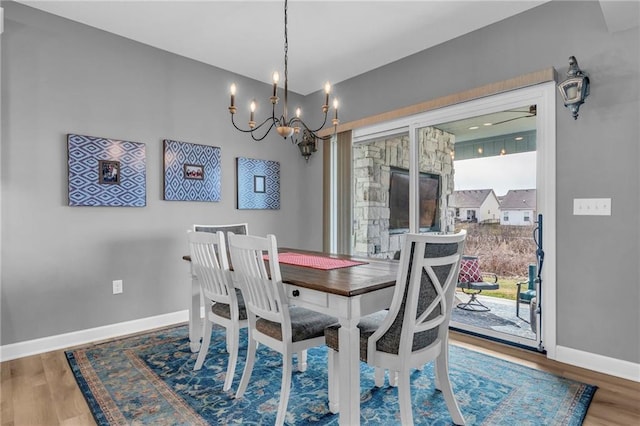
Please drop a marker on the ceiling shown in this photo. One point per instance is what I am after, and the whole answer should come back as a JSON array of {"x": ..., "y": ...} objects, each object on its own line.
[
  {"x": 328, "y": 40},
  {"x": 495, "y": 124}
]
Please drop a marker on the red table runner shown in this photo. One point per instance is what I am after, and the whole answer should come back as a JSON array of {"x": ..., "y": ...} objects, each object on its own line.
[{"x": 316, "y": 262}]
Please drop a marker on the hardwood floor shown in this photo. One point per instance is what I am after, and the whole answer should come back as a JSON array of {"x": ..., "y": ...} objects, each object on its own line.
[{"x": 41, "y": 390}]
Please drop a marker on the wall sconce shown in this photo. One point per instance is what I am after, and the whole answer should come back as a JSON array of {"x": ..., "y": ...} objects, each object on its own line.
[{"x": 575, "y": 88}]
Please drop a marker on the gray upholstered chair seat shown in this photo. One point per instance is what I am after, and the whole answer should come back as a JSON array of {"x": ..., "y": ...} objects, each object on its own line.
[
  {"x": 305, "y": 324},
  {"x": 480, "y": 286},
  {"x": 367, "y": 325},
  {"x": 389, "y": 343},
  {"x": 223, "y": 310}
]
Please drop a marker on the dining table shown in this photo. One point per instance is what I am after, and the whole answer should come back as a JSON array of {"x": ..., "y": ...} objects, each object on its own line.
[{"x": 342, "y": 286}]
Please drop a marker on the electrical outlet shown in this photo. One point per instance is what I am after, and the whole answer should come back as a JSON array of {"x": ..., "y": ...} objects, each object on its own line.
[{"x": 117, "y": 286}]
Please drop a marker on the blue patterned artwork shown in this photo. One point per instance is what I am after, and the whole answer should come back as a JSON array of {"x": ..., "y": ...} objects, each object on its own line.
[
  {"x": 191, "y": 172},
  {"x": 106, "y": 172},
  {"x": 258, "y": 184}
]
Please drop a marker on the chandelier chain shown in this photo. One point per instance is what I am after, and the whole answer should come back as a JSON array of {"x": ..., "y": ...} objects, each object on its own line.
[{"x": 286, "y": 60}]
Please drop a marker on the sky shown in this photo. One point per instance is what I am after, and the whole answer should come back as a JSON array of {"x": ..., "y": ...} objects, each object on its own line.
[{"x": 500, "y": 173}]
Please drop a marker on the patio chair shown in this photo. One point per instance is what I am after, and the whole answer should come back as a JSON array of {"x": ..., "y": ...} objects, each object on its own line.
[
  {"x": 529, "y": 294},
  {"x": 472, "y": 281},
  {"x": 416, "y": 328},
  {"x": 272, "y": 321},
  {"x": 226, "y": 306}
]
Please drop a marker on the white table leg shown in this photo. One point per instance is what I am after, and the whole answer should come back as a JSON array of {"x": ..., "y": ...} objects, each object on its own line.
[
  {"x": 195, "y": 323},
  {"x": 349, "y": 393}
]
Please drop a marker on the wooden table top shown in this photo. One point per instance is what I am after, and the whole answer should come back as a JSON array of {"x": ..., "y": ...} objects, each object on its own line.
[{"x": 373, "y": 275}]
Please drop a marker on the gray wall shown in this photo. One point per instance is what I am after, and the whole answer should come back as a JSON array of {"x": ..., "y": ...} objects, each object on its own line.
[
  {"x": 58, "y": 262},
  {"x": 598, "y": 290},
  {"x": 60, "y": 77}
]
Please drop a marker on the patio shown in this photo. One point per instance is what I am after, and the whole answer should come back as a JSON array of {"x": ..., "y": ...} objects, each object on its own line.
[{"x": 501, "y": 318}]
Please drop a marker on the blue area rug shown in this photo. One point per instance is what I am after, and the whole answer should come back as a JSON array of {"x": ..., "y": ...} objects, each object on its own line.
[{"x": 148, "y": 379}]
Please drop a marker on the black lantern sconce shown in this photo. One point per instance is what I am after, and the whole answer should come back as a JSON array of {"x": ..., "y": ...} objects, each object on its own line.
[{"x": 575, "y": 88}]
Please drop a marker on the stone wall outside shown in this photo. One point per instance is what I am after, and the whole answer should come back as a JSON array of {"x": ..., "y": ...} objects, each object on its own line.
[{"x": 372, "y": 162}]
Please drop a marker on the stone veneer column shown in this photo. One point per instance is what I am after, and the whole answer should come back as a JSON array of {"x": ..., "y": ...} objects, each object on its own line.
[{"x": 372, "y": 162}]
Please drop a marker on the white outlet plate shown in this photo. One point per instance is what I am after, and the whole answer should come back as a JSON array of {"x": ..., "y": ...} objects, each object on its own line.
[
  {"x": 592, "y": 206},
  {"x": 117, "y": 286}
]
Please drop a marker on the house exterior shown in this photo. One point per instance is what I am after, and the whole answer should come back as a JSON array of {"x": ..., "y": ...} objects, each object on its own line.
[
  {"x": 518, "y": 207},
  {"x": 475, "y": 205}
]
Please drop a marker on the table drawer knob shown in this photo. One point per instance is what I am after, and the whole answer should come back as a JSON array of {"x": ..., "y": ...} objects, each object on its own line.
[{"x": 295, "y": 293}]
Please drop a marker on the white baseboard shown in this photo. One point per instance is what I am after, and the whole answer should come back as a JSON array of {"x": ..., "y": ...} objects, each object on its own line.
[
  {"x": 602, "y": 364},
  {"x": 81, "y": 337}
]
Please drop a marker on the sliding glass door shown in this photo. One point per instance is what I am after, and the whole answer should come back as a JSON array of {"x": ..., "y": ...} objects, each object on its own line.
[{"x": 428, "y": 173}]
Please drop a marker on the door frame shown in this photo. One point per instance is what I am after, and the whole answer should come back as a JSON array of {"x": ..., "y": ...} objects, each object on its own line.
[{"x": 543, "y": 95}]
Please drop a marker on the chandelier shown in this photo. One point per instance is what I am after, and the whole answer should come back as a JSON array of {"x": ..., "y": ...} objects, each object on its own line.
[{"x": 298, "y": 131}]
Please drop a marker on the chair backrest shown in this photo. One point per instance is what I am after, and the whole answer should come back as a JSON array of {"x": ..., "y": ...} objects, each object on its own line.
[
  {"x": 262, "y": 289},
  {"x": 236, "y": 228},
  {"x": 421, "y": 307},
  {"x": 211, "y": 269},
  {"x": 532, "y": 276},
  {"x": 469, "y": 270}
]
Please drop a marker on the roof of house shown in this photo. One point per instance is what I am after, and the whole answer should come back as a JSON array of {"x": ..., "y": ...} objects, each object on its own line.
[
  {"x": 519, "y": 199},
  {"x": 469, "y": 198}
]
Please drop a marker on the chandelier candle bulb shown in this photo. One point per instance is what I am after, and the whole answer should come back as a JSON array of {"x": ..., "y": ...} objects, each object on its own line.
[
  {"x": 298, "y": 112},
  {"x": 232, "y": 105},
  {"x": 252, "y": 107},
  {"x": 276, "y": 78},
  {"x": 327, "y": 89},
  {"x": 233, "y": 95}
]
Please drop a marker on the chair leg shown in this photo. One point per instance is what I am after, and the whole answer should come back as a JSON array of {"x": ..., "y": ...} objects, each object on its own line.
[
  {"x": 393, "y": 378},
  {"x": 229, "y": 341},
  {"x": 204, "y": 347},
  {"x": 473, "y": 304},
  {"x": 444, "y": 385},
  {"x": 248, "y": 366},
  {"x": 404, "y": 397},
  {"x": 378, "y": 376},
  {"x": 233, "y": 339},
  {"x": 302, "y": 361},
  {"x": 334, "y": 376},
  {"x": 285, "y": 388}
]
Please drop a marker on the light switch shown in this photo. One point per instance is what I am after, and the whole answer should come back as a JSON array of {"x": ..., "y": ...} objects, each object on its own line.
[{"x": 592, "y": 206}]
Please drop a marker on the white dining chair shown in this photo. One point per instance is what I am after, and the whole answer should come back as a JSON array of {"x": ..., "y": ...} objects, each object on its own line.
[
  {"x": 415, "y": 330},
  {"x": 225, "y": 305},
  {"x": 236, "y": 228},
  {"x": 272, "y": 321}
]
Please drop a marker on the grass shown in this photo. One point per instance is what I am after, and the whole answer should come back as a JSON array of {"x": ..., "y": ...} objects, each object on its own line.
[{"x": 507, "y": 289}]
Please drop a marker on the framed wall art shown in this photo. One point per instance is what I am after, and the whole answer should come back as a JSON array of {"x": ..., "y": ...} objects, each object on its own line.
[
  {"x": 258, "y": 184},
  {"x": 106, "y": 172},
  {"x": 191, "y": 172}
]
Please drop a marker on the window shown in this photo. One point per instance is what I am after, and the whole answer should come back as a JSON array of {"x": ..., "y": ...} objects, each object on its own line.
[
  {"x": 506, "y": 217},
  {"x": 526, "y": 217}
]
